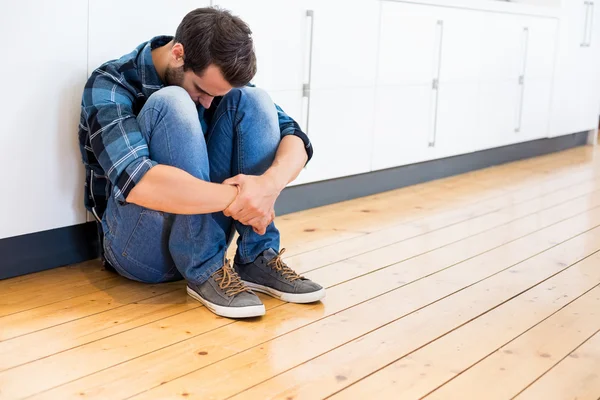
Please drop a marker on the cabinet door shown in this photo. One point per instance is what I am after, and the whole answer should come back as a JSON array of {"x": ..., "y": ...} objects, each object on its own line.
[
  {"x": 344, "y": 43},
  {"x": 576, "y": 94},
  {"x": 340, "y": 128},
  {"x": 113, "y": 31},
  {"x": 409, "y": 55},
  {"x": 460, "y": 73},
  {"x": 502, "y": 52},
  {"x": 340, "y": 95},
  {"x": 538, "y": 75}
]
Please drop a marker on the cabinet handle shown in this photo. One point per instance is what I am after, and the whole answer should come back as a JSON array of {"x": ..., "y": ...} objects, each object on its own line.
[
  {"x": 521, "y": 82},
  {"x": 590, "y": 26},
  {"x": 306, "y": 86},
  {"x": 435, "y": 86},
  {"x": 586, "y": 25}
]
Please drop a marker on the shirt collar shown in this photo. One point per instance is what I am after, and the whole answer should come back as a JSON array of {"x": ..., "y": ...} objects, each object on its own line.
[{"x": 149, "y": 77}]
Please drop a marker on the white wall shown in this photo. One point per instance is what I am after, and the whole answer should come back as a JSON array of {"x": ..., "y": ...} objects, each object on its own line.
[{"x": 43, "y": 70}]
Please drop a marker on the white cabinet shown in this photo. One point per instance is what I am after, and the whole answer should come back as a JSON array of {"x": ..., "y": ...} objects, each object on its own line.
[
  {"x": 342, "y": 83},
  {"x": 320, "y": 68},
  {"x": 576, "y": 98},
  {"x": 538, "y": 75},
  {"x": 117, "y": 27},
  {"x": 408, "y": 63},
  {"x": 452, "y": 81},
  {"x": 461, "y": 74}
]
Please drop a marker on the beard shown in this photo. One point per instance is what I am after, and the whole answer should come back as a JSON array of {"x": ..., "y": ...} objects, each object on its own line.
[{"x": 174, "y": 76}]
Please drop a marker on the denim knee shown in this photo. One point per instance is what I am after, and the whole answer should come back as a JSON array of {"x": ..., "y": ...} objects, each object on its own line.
[
  {"x": 172, "y": 100},
  {"x": 250, "y": 97}
]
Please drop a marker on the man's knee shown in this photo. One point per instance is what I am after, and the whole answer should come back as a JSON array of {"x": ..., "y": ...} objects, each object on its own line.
[
  {"x": 252, "y": 98},
  {"x": 174, "y": 101}
]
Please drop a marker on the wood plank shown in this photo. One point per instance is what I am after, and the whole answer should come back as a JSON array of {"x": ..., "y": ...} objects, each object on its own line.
[
  {"x": 372, "y": 292},
  {"x": 79, "y": 307},
  {"x": 445, "y": 239},
  {"x": 577, "y": 376},
  {"x": 87, "y": 272},
  {"x": 252, "y": 366},
  {"x": 385, "y": 215},
  {"x": 41, "y": 298},
  {"x": 455, "y": 190},
  {"x": 78, "y": 332},
  {"x": 448, "y": 227},
  {"x": 452, "y": 217},
  {"x": 514, "y": 366},
  {"x": 498, "y": 317}
]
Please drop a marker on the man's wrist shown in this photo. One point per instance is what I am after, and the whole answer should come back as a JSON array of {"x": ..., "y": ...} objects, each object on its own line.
[
  {"x": 233, "y": 192},
  {"x": 278, "y": 181}
]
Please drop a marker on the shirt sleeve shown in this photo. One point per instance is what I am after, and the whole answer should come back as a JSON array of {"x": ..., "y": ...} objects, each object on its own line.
[
  {"x": 288, "y": 126},
  {"x": 115, "y": 136}
]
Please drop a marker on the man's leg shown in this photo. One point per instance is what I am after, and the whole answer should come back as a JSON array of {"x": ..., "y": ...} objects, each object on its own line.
[
  {"x": 243, "y": 139},
  {"x": 152, "y": 246}
]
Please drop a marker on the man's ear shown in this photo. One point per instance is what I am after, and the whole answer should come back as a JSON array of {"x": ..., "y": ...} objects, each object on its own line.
[{"x": 177, "y": 54}]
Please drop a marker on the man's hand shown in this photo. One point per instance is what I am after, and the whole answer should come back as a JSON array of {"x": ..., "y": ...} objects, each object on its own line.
[{"x": 255, "y": 202}]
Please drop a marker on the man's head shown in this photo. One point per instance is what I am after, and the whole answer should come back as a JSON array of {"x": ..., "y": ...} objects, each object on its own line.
[{"x": 212, "y": 52}]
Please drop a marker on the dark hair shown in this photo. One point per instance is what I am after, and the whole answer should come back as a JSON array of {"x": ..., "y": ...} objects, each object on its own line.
[{"x": 213, "y": 36}]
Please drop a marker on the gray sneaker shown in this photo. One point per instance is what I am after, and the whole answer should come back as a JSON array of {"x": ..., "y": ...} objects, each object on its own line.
[
  {"x": 269, "y": 274},
  {"x": 226, "y": 295}
]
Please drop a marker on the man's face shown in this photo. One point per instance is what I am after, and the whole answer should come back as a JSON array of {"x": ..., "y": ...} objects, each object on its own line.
[{"x": 201, "y": 88}]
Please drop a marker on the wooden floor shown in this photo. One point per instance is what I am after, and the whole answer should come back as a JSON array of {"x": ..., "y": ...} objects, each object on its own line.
[{"x": 479, "y": 286}]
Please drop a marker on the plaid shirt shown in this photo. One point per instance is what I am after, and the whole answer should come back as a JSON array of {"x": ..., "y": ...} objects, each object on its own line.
[{"x": 114, "y": 151}]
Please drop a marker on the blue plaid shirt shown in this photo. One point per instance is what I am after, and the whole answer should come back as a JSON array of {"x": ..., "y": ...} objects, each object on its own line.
[{"x": 114, "y": 151}]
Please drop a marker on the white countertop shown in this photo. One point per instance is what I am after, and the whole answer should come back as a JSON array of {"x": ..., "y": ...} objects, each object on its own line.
[{"x": 492, "y": 5}]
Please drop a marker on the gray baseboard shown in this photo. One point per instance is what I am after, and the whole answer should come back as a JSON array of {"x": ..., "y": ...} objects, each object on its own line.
[
  {"x": 39, "y": 251},
  {"x": 302, "y": 197},
  {"x": 34, "y": 252}
]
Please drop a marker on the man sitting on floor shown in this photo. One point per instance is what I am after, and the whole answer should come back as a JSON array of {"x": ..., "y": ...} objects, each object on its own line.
[{"x": 177, "y": 149}]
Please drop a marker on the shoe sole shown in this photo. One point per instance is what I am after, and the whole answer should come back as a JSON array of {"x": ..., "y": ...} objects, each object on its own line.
[
  {"x": 300, "y": 298},
  {"x": 229, "y": 312}
]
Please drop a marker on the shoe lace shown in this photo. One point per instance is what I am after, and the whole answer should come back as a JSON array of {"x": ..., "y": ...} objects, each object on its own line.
[
  {"x": 287, "y": 273},
  {"x": 229, "y": 281}
]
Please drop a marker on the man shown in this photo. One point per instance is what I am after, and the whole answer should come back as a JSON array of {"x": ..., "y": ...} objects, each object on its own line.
[{"x": 178, "y": 150}]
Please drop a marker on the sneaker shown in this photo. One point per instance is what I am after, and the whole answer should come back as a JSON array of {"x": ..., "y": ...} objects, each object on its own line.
[
  {"x": 226, "y": 295},
  {"x": 269, "y": 274}
]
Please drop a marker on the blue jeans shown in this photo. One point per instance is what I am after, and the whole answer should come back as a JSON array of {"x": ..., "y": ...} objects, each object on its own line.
[{"x": 243, "y": 136}]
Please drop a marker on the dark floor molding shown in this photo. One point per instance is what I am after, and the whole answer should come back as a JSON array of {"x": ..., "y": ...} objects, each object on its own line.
[
  {"x": 57, "y": 247},
  {"x": 39, "y": 251}
]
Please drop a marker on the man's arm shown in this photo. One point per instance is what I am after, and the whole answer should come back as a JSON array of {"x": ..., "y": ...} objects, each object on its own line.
[
  {"x": 291, "y": 157},
  {"x": 255, "y": 204},
  {"x": 173, "y": 190},
  {"x": 123, "y": 153}
]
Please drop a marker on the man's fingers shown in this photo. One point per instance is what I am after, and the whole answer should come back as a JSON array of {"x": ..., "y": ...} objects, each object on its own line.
[
  {"x": 260, "y": 232},
  {"x": 234, "y": 208}
]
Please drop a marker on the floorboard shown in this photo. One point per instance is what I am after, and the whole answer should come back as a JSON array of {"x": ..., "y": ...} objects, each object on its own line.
[{"x": 482, "y": 285}]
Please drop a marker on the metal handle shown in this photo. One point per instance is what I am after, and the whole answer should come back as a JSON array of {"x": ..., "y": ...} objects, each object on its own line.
[
  {"x": 521, "y": 82},
  {"x": 586, "y": 25},
  {"x": 310, "y": 14},
  {"x": 435, "y": 86},
  {"x": 591, "y": 6}
]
